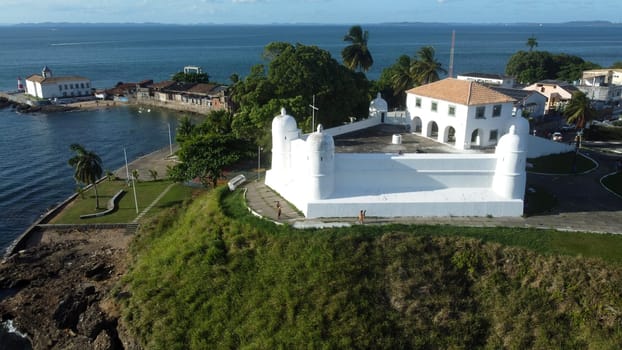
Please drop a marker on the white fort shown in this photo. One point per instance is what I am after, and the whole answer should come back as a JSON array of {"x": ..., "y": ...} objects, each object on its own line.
[{"x": 308, "y": 173}]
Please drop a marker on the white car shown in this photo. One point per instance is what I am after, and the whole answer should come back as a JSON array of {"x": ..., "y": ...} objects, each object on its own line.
[{"x": 557, "y": 136}]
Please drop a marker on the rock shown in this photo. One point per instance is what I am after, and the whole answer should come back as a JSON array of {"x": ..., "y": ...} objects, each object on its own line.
[
  {"x": 68, "y": 311},
  {"x": 91, "y": 322},
  {"x": 103, "y": 342}
]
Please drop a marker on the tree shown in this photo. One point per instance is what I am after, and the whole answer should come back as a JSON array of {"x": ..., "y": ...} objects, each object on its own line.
[
  {"x": 357, "y": 55},
  {"x": 532, "y": 42},
  {"x": 578, "y": 110},
  {"x": 617, "y": 65},
  {"x": 294, "y": 74},
  {"x": 135, "y": 174},
  {"x": 185, "y": 129},
  {"x": 530, "y": 67},
  {"x": 154, "y": 174},
  {"x": 401, "y": 77},
  {"x": 182, "y": 77},
  {"x": 87, "y": 167},
  {"x": 204, "y": 156},
  {"x": 426, "y": 68}
]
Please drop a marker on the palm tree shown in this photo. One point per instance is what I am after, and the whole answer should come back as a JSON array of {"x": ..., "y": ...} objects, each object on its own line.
[
  {"x": 154, "y": 174},
  {"x": 357, "y": 55},
  {"x": 401, "y": 80},
  {"x": 87, "y": 167},
  {"x": 532, "y": 42},
  {"x": 426, "y": 68},
  {"x": 578, "y": 110}
]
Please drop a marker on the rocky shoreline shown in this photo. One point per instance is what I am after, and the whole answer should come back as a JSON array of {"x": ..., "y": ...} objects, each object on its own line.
[{"x": 59, "y": 290}]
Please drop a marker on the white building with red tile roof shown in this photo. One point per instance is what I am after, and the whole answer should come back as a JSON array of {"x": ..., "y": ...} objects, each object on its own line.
[
  {"x": 461, "y": 113},
  {"x": 48, "y": 86}
]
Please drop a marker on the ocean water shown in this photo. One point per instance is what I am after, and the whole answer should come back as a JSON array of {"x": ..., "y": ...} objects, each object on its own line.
[{"x": 34, "y": 148}]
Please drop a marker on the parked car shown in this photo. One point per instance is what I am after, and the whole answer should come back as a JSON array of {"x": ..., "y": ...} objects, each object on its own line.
[
  {"x": 557, "y": 136},
  {"x": 568, "y": 127}
]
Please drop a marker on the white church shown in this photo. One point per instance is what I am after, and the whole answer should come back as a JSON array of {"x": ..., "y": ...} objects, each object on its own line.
[{"x": 47, "y": 85}]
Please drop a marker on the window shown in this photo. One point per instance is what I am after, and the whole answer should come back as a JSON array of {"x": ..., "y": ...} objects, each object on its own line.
[
  {"x": 418, "y": 102},
  {"x": 434, "y": 106},
  {"x": 71, "y": 86},
  {"x": 493, "y": 135},
  {"x": 87, "y": 85},
  {"x": 66, "y": 87},
  {"x": 60, "y": 88},
  {"x": 496, "y": 110},
  {"x": 451, "y": 111},
  {"x": 480, "y": 112}
]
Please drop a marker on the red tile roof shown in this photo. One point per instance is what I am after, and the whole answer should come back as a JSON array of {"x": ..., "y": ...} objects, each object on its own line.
[{"x": 463, "y": 92}]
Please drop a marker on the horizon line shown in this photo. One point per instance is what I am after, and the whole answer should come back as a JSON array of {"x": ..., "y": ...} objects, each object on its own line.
[{"x": 587, "y": 23}]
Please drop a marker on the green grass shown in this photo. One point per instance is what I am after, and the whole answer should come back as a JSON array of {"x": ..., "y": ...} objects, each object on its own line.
[
  {"x": 614, "y": 183},
  {"x": 211, "y": 275},
  {"x": 561, "y": 164},
  {"x": 146, "y": 193}
]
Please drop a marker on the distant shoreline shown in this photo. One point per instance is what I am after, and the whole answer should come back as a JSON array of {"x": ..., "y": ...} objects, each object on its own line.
[{"x": 154, "y": 24}]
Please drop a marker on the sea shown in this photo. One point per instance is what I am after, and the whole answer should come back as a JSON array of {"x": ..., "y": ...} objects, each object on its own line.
[{"x": 34, "y": 148}]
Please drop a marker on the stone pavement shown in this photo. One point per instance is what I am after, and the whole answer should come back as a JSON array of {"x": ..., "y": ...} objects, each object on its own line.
[{"x": 262, "y": 201}]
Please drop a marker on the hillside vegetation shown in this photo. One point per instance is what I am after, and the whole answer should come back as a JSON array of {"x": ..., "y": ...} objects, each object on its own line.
[{"x": 212, "y": 276}]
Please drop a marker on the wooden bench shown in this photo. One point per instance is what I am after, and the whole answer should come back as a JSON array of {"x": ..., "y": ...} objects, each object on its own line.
[
  {"x": 236, "y": 181},
  {"x": 110, "y": 207}
]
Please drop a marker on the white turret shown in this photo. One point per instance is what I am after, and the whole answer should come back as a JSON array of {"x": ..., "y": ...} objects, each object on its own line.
[
  {"x": 46, "y": 72},
  {"x": 321, "y": 155},
  {"x": 378, "y": 107},
  {"x": 284, "y": 130},
  {"x": 510, "y": 175}
]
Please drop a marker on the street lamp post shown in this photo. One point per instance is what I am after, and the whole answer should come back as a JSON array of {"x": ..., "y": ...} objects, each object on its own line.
[
  {"x": 127, "y": 170},
  {"x": 135, "y": 198},
  {"x": 259, "y": 148},
  {"x": 170, "y": 140}
]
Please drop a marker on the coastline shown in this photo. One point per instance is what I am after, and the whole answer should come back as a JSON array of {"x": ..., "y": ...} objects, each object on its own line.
[
  {"x": 57, "y": 281},
  {"x": 157, "y": 160}
]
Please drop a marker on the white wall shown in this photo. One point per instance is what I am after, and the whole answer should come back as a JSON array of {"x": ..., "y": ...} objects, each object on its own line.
[
  {"x": 540, "y": 146},
  {"x": 358, "y": 125}
]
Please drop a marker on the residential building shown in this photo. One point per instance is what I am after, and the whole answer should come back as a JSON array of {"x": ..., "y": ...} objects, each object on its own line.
[
  {"x": 489, "y": 79},
  {"x": 532, "y": 103},
  {"x": 603, "y": 85},
  {"x": 461, "y": 113},
  {"x": 195, "y": 97},
  {"x": 558, "y": 93},
  {"x": 48, "y": 86}
]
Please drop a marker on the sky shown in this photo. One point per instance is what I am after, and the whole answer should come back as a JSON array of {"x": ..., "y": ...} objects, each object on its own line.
[{"x": 307, "y": 11}]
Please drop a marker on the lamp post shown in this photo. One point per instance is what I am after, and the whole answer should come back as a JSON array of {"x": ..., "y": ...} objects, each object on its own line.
[
  {"x": 127, "y": 170},
  {"x": 170, "y": 140},
  {"x": 259, "y": 148},
  {"x": 135, "y": 198}
]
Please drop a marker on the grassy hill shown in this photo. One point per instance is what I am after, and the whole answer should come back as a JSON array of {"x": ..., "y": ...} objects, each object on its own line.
[{"x": 210, "y": 276}]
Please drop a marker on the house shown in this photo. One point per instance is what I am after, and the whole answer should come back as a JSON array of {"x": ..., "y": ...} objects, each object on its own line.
[
  {"x": 532, "y": 103},
  {"x": 558, "y": 93},
  {"x": 461, "y": 113},
  {"x": 604, "y": 85},
  {"x": 48, "y": 86},
  {"x": 123, "y": 91},
  {"x": 195, "y": 97},
  {"x": 489, "y": 79}
]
